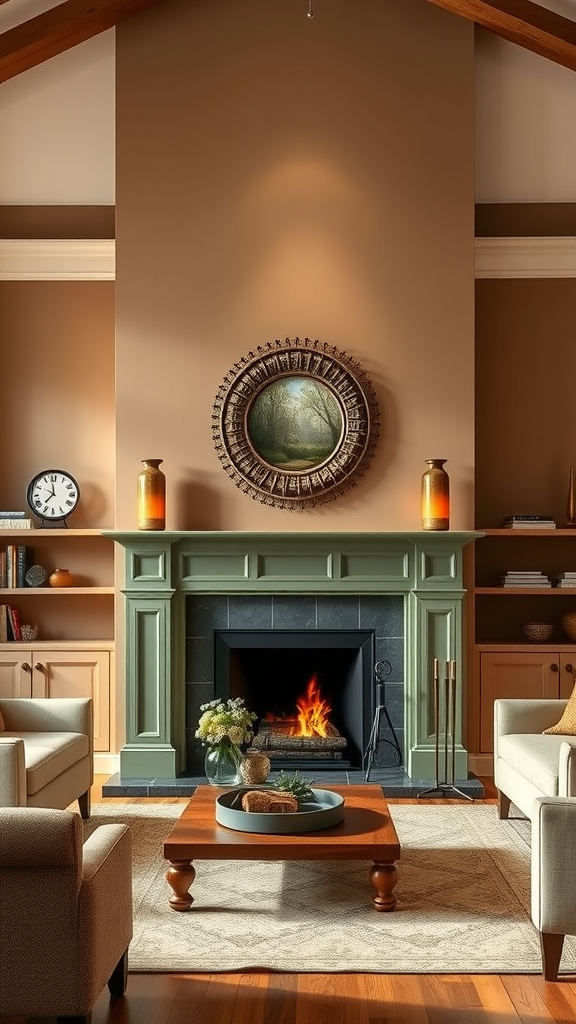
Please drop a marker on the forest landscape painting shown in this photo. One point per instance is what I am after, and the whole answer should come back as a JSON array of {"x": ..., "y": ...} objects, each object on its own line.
[{"x": 295, "y": 423}]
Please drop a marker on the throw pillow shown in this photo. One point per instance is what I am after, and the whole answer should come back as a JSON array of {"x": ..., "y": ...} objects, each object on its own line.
[
  {"x": 567, "y": 724},
  {"x": 2, "y": 726}
]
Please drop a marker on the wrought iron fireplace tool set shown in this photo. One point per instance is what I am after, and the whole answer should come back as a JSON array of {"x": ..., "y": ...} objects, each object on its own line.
[
  {"x": 370, "y": 759},
  {"x": 446, "y": 785}
]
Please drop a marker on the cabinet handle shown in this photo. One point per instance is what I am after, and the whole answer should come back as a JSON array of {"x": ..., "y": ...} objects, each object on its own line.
[
  {"x": 39, "y": 667},
  {"x": 553, "y": 667},
  {"x": 26, "y": 667},
  {"x": 569, "y": 668}
]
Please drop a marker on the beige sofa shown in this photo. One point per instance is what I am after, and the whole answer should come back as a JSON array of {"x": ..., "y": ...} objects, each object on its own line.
[
  {"x": 537, "y": 773},
  {"x": 46, "y": 752},
  {"x": 65, "y": 913}
]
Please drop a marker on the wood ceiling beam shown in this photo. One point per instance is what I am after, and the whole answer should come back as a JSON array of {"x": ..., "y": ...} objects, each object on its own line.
[
  {"x": 519, "y": 21},
  {"x": 59, "y": 29}
]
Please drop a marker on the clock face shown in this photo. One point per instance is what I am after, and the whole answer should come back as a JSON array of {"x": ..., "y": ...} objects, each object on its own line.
[{"x": 53, "y": 494}]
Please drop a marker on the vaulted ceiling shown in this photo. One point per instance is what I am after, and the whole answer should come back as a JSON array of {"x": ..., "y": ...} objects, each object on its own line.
[{"x": 65, "y": 25}]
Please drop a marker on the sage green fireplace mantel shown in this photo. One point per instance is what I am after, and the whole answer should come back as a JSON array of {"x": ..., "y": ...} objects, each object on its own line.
[{"x": 163, "y": 567}]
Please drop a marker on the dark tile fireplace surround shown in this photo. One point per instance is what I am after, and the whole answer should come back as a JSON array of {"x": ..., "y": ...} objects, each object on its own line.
[
  {"x": 265, "y": 649},
  {"x": 216, "y": 615}
]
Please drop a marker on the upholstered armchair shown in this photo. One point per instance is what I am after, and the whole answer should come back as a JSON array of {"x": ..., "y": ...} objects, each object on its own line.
[
  {"x": 536, "y": 771},
  {"x": 46, "y": 752},
  {"x": 553, "y": 880},
  {"x": 65, "y": 912},
  {"x": 527, "y": 762}
]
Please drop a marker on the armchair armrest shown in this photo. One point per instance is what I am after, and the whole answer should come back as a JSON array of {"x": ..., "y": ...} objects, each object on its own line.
[
  {"x": 105, "y": 899},
  {"x": 567, "y": 768},
  {"x": 522, "y": 715},
  {"x": 12, "y": 772},
  {"x": 553, "y": 880}
]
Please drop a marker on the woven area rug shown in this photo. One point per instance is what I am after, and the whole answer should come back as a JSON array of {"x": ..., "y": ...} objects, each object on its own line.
[{"x": 463, "y": 902}]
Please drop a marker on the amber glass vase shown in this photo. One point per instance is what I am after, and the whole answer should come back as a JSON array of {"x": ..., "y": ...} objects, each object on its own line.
[
  {"x": 151, "y": 496},
  {"x": 435, "y": 496}
]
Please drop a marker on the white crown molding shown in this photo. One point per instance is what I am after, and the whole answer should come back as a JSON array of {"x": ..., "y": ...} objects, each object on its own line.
[
  {"x": 57, "y": 259},
  {"x": 525, "y": 257},
  {"x": 30, "y": 259}
]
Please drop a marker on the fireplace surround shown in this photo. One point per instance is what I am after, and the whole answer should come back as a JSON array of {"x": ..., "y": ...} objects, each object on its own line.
[{"x": 163, "y": 569}]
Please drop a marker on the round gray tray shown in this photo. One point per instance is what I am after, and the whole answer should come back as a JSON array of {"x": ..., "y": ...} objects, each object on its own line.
[{"x": 325, "y": 810}]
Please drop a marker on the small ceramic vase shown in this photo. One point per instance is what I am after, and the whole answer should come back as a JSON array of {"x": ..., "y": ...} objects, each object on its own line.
[
  {"x": 255, "y": 768},
  {"x": 61, "y": 578}
]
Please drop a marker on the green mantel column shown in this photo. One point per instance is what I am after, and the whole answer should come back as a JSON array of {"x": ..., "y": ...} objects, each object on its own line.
[{"x": 162, "y": 567}]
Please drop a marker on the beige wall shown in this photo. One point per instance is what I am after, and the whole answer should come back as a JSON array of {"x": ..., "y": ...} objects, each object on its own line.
[
  {"x": 279, "y": 177},
  {"x": 525, "y": 372},
  {"x": 57, "y": 391}
]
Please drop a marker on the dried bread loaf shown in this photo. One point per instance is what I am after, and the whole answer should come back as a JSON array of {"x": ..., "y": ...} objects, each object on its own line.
[{"x": 269, "y": 801}]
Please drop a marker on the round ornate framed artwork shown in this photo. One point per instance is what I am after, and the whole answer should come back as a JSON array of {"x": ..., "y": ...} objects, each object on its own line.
[{"x": 295, "y": 423}]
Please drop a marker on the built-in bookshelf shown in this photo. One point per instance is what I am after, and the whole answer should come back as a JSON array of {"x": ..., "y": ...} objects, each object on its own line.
[{"x": 84, "y": 611}]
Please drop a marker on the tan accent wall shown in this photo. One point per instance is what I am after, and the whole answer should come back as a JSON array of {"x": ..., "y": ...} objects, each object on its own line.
[
  {"x": 57, "y": 391},
  {"x": 525, "y": 373},
  {"x": 521, "y": 219},
  {"x": 57, "y": 222},
  {"x": 278, "y": 177}
]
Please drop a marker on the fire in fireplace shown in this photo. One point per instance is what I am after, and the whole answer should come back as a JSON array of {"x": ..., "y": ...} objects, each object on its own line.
[
  {"x": 308, "y": 732},
  {"x": 312, "y": 690}
]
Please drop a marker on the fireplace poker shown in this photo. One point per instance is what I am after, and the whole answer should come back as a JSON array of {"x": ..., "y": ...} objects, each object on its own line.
[{"x": 447, "y": 787}]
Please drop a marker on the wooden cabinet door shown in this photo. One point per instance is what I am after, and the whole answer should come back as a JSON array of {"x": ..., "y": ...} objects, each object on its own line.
[
  {"x": 16, "y": 673},
  {"x": 76, "y": 674},
  {"x": 521, "y": 674},
  {"x": 567, "y": 674}
]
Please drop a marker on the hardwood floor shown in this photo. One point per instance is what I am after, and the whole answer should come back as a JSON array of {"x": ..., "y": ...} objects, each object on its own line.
[{"x": 270, "y": 998}]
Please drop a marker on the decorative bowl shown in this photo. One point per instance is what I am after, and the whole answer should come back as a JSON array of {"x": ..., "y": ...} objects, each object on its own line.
[
  {"x": 537, "y": 632},
  {"x": 325, "y": 809}
]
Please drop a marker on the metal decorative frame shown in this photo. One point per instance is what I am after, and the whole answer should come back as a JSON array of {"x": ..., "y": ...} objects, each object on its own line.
[{"x": 322, "y": 404}]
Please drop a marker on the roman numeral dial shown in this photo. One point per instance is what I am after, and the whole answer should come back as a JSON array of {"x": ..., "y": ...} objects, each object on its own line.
[{"x": 53, "y": 494}]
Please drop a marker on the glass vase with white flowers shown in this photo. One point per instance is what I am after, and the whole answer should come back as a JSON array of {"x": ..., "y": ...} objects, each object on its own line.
[{"x": 224, "y": 727}]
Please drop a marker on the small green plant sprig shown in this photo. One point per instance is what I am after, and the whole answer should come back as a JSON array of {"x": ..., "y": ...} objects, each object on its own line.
[{"x": 300, "y": 788}]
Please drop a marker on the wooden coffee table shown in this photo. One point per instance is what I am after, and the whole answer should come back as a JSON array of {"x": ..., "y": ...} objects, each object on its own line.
[{"x": 366, "y": 833}]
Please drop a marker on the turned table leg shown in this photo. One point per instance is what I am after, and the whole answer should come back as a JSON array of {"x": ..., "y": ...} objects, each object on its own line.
[
  {"x": 180, "y": 876},
  {"x": 384, "y": 877}
]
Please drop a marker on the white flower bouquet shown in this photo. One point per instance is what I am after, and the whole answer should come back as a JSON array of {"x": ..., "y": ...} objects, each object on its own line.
[{"x": 225, "y": 720}]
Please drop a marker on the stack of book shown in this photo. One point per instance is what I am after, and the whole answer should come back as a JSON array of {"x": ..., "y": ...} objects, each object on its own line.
[
  {"x": 10, "y": 623},
  {"x": 566, "y": 579},
  {"x": 529, "y": 522},
  {"x": 15, "y": 521},
  {"x": 15, "y": 560},
  {"x": 524, "y": 578}
]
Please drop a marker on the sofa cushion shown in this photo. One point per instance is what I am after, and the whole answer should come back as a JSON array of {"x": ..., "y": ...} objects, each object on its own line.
[
  {"x": 535, "y": 756},
  {"x": 567, "y": 724},
  {"x": 48, "y": 754}
]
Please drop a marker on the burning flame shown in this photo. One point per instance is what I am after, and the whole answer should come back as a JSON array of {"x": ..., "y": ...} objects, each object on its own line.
[{"x": 312, "y": 713}]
